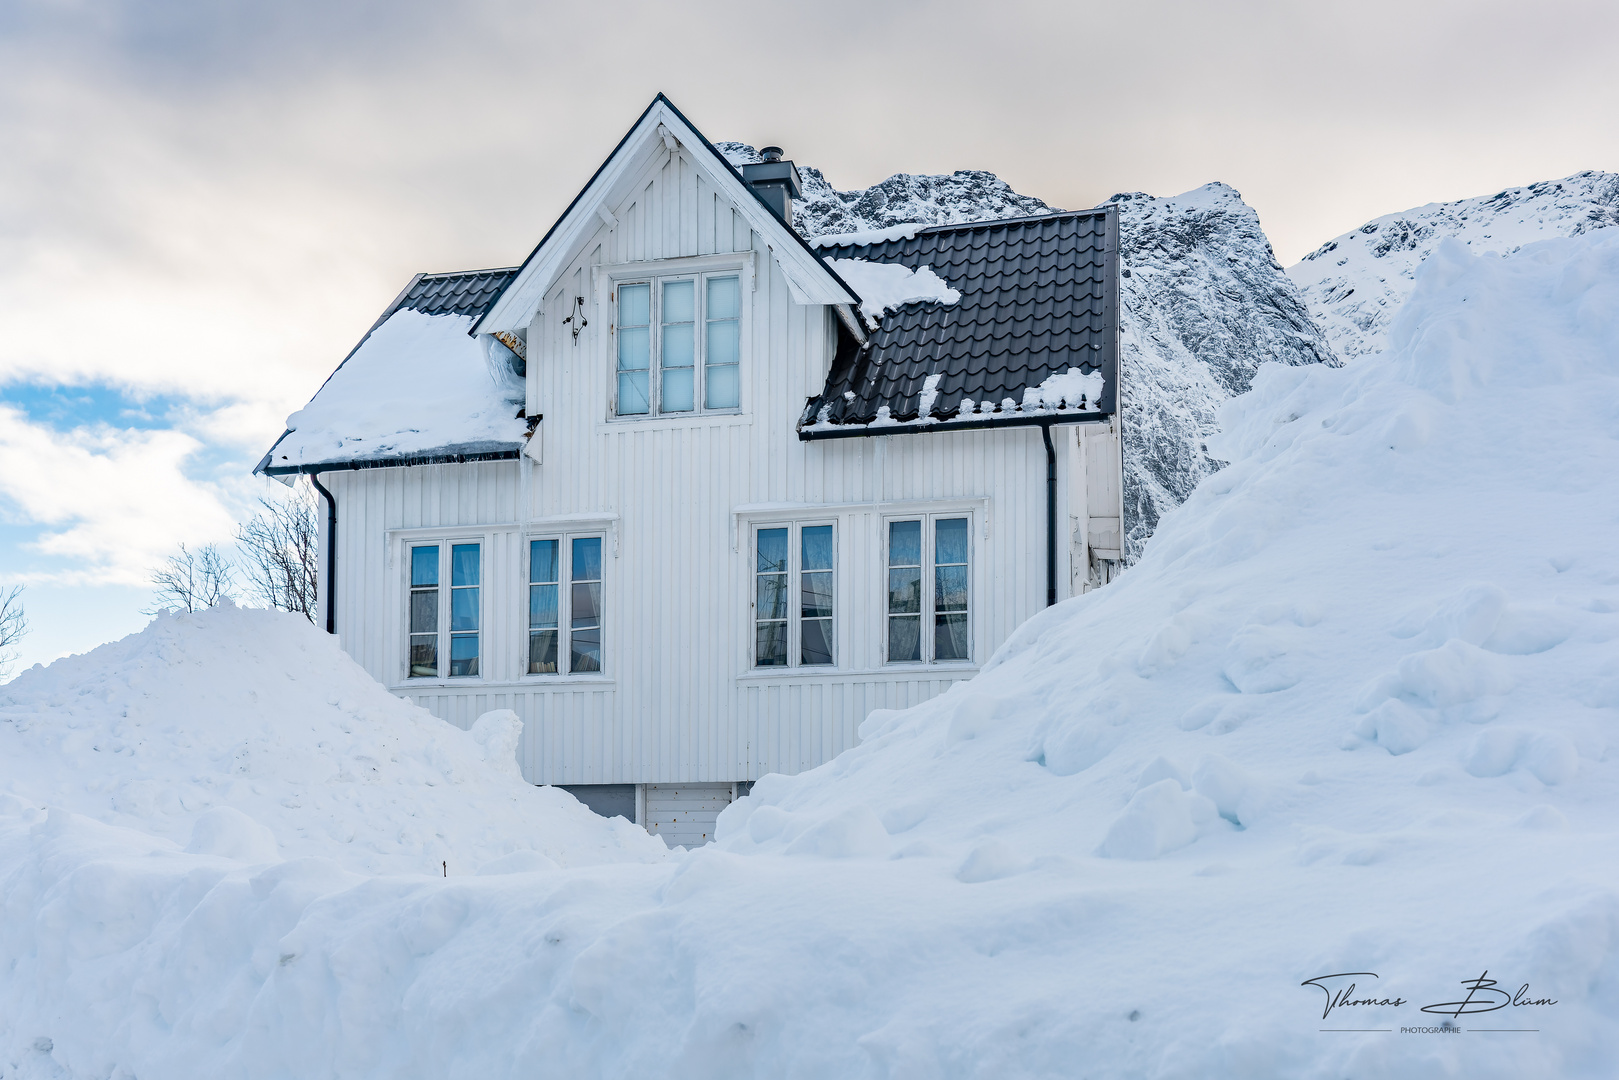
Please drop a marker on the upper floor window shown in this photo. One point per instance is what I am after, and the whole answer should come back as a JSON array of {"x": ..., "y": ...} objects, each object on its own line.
[
  {"x": 679, "y": 344},
  {"x": 928, "y": 560},
  {"x": 565, "y": 622},
  {"x": 793, "y": 626},
  {"x": 436, "y": 618}
]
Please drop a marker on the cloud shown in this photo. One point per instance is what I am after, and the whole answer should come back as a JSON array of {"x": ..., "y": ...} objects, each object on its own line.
[{"x": 110, "y": 503}]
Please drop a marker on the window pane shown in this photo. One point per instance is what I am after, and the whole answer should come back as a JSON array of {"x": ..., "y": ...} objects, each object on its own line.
[
  {"x": 772, "y": 550},
  {"x": 464, "y": 655},
  {"x": 424, "y": 611},
  {"x": 634, "y": 305},
  {"x": 724, "y": 343},
  {"x": 587, "y": 559},
  {"x": 724, "y": 298},
  {"x": 464, "y": 564},
  {"x": 816, "y": 642},
  {"x": 905, "y": 638},
  {"x": 770, "y": 644},
  {"x": 722, "y": 388},
  {"x": 585, "y": 649},
  {"x": 950, "y": 588},
  {"x": 950, "y": 637},
  {"x": 950, "y": 541},
  {"x": 542, "y": 560},
  {"x": 587, "y": 602},
  {"x": 542, "y": 606},
  {"x": 634, "y": 349},
  {"x": 634, "y": 398},
  {"x": 772, "y": 596},
  {"x": 423, "y": 656},
  {"x": 816, "y": 547},
  {"x": 905, "y": 543},
  {"x": 679, "y": 301},
  {"x": 905, "y": 589},
  {"x": 815, "y": 595},
  {"x": 424, "y": 566},
  {"x": 679, "y": 390},
  {"x": 542, "y": 653},
  {"x": 463, "y": 609},
  {"x": 678, "y": 346}
]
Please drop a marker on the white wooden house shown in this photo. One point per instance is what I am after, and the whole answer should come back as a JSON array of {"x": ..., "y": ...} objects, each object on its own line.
[{"x": 690, "y": 501}]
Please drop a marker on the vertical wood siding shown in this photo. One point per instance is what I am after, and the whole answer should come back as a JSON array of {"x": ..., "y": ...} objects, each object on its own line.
[{"x": 677, "y": 702}]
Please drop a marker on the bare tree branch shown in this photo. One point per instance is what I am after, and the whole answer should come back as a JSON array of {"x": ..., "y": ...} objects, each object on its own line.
[
  {"x": 13, "y": 625},
  {"x": 193, "y": 580},
  {"x": 281, "y": 553}
]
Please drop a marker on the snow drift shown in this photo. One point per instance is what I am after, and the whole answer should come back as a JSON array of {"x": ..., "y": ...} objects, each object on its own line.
[
  {"x": 1352, "y": 712},
  {"x": 250, "y": 735}
]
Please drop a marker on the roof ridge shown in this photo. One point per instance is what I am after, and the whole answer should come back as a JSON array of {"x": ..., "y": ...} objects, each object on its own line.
[
  {"x": 469, "y": 273},
  {"x": 830, "y": 241}
]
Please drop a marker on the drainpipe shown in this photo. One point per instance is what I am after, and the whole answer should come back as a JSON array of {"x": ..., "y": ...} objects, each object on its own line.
[
  {"x": 1051, "y": 515},
  {"x": 331, "y": 553}
]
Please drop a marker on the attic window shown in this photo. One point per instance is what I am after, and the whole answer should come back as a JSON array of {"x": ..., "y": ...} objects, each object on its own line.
[{"x": 662, "y": 326}]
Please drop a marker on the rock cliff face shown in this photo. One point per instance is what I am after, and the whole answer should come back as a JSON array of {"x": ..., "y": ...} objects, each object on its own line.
[
  {"x": 1204, "y": 304},
  {"x": 1354, "y": 283}
]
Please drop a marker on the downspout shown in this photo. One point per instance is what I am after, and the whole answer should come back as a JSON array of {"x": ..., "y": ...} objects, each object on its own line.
[
  {"x": 1051, "y": 515},
  {"x": 331, "y": 553}
]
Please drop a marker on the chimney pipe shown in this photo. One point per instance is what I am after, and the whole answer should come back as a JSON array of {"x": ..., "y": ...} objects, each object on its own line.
[{"x": 776, "y": 182}]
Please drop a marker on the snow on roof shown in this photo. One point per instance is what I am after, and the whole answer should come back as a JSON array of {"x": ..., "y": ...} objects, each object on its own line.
[
  {"x": 890, "y": 286},
  {"x": 417, "y": 386}
]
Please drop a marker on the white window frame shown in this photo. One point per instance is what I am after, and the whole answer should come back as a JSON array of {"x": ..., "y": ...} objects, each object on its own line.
[
  {"x": 928, "y": 607},
  {"x": 446, "y": 588},
  {"x": 565, "y": 541},
  {"x": 655, "y": 274},
  {"x": 795, "y": 617}
]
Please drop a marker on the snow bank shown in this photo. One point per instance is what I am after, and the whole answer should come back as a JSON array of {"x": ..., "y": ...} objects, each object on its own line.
[
  {"x": 250, "y": 735},
  {"x": 889, "y": 286},
  {"x": 417, "y": 383},
  {"x": 1354, "y": 711}
]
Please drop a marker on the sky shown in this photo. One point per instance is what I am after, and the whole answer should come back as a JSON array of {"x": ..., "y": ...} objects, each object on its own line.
[{"x": 203, "y": 205}]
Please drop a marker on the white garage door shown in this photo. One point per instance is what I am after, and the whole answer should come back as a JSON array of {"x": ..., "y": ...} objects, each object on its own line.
[{"x": 684, "y": 814}]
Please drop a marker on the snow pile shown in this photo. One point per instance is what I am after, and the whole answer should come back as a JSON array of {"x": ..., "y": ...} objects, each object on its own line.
[
  {"x": 417, "y": 383},
  {"x": 1204, "y": 304},
  {"x": 1353, "y": 711},
  {"x": 889, "y": 286},
  {"x": 250, "y": 735},
  {"x": 1356, "y": 282},
  {"x": 1070, "y": 389}
]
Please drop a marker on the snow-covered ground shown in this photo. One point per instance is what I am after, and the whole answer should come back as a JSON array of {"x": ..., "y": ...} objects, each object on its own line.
[
  {"x": 1355, "y": 283},
  {"x": 1353, "y": 711}
]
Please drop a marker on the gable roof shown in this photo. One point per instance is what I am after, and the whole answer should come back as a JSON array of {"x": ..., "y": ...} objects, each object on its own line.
[
  {"x": 809, "y": 278},
  {"x": 1039, "y": 298},
  {"x": 459, "y": 417}
]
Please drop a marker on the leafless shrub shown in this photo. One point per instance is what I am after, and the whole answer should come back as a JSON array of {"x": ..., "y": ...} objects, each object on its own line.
[
  {"x": 13, "y": 625},
  {"x": 193, "y": 580},
  {"x": 280, "y": 553}
]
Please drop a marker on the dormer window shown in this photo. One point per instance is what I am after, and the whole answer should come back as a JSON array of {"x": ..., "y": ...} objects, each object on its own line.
[{"x": 679, "y": 344}]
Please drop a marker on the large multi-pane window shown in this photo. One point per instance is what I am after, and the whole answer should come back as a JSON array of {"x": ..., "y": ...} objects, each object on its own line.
[
  {"x": 928, "y": 586},
  {"x": 679, "y": 345},
  {"x": 565, "y": 622},
  {"x": 435, "y": 618},
  {"x": 793, "y": 626}
]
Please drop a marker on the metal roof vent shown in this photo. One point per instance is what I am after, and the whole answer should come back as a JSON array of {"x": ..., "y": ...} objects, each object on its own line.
[{"x": 776, "y": 181}]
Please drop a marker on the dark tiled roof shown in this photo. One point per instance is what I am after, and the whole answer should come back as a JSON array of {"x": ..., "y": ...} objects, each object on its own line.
[
  {"x": 1038, "y": 296},
  {"x": 466, "y": 292}
]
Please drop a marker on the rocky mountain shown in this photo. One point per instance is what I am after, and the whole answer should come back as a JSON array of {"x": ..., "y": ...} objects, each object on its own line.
[
  {"x": 1354, "y": 283},
  {"x": 1205, "y": 303}
]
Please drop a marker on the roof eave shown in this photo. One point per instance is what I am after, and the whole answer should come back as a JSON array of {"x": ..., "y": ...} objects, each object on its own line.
[{"x": 449, "y": 456}]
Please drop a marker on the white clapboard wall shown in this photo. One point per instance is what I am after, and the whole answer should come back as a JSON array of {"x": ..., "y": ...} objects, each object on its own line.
[{"x": 684, "y": 814}]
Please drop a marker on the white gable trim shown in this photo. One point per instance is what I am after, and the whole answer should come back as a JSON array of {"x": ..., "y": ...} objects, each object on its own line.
[{"x": 809, "y": 279}]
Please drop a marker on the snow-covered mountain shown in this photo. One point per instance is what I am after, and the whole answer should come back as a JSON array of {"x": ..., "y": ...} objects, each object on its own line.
[
  {"x": 1205, "y": 303},
  {"x": 1354, "y": 283}
]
